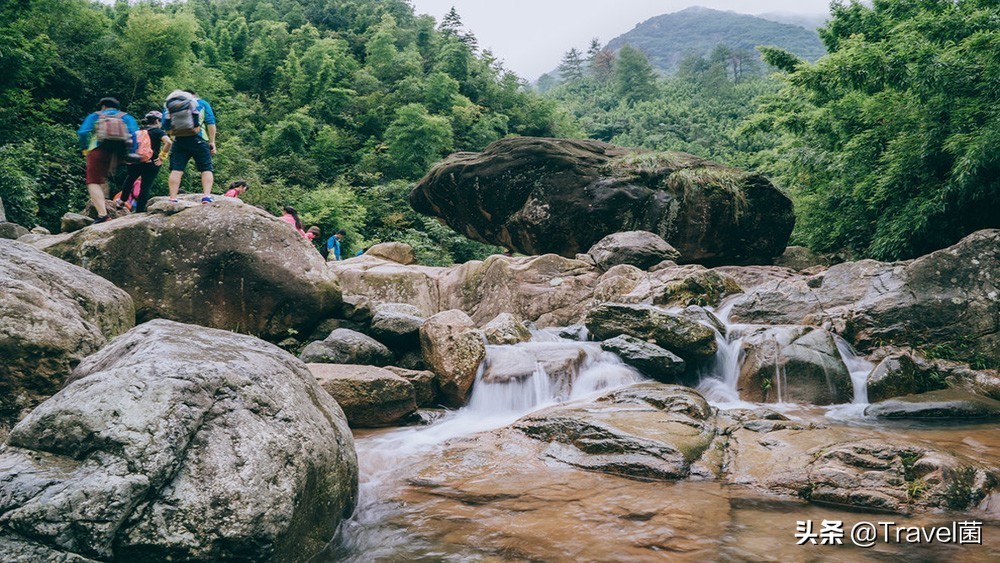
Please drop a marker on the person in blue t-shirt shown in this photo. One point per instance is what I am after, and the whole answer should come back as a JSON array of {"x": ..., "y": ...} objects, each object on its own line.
[
  {"x": 105, "y": 144},
  {"x": 333, "y": 245},
  {"x": 197, "y": 143}
]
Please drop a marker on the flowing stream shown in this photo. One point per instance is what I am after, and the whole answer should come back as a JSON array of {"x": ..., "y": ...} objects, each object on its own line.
[{"x": 380, "y": 529}]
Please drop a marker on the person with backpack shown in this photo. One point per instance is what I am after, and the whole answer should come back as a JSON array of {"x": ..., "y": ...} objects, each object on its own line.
[
  {"x": 152, "y": 145},
  {"x": 107, "y": 137},
  {"x": 191, "y": 122}
]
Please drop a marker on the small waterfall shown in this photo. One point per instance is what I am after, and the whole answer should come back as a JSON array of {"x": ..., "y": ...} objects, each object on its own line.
[
  {"x": 367, "y": 536},
  {"x": 858, "y": 367}
]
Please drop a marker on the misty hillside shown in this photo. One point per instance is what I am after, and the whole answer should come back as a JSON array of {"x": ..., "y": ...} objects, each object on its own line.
[
  {"x": 668, "y": 38},
  {"x": 808, "y": 21}
]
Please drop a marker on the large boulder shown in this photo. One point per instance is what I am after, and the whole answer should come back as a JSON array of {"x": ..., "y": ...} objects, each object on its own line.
[
  {"x": 226, "y": 265},
  {"x": 177, "y": 442},
  {"x": 562, "y": 362},
  {"x": 646, "y": 431},
  {"x": 506, "y": 329},
  {"x": 398, "y": 252},
  {"x": 370, "y": 396},
  {"x": 948, "y": 300},
  {"x": 52, "y": 315},
  {"x": 345, "y": 346},
  {"x": 794, "y": 364},
  {"x": 648, "y": 358},
  {"x": 937, "y": 405},
  {"x": 453, "y": 348},
  {"x": 537, "y": 195},
  {"x": 641, "y": 249},
  {"x": 688, "y": 339}
]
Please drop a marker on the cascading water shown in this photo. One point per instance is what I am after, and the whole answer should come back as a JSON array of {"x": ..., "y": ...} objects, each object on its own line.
[
  {"x": 719, "y": 377},
  {"x": 383, "y": 458}
]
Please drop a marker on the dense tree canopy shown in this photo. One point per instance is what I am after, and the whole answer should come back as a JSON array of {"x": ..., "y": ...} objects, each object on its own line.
[
  {"x": 889, "y": 142},
  {"x": 325, "y": 96}
]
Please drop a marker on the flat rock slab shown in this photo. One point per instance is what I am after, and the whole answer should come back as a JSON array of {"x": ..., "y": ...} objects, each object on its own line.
[{"x": 938, "y": 405}]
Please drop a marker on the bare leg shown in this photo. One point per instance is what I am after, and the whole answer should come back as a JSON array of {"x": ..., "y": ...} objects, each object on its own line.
[
  {"x": 97, "y": 198},
  {"x": 207, "y": 180},
  {"x": 174, "y": 182}
]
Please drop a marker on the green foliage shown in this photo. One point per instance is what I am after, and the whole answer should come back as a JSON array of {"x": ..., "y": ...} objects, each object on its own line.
[
  {"x": 416, "y": 139},
  {"x": 888, "y": 142},
  {"x": 309, "y": 94},
  {"x": 633, "y": 76}
]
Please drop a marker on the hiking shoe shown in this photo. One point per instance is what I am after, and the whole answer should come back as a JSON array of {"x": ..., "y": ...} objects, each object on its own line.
[
  {"x": 101, "y": 219},
  {"x": 172, "y": 200},
  {"x": 207, "y": 199}
]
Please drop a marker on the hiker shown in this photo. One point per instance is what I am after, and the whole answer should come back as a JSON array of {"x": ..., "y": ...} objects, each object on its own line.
[
  {"x": 107, "y": 137},
  {"x": 152, "y": 147},
  {"x": 291, "y": 216},
  {"x": 237, "y": 188},
  {"x": 191, "y": 122},
  {"x": 312, "y": 233},
  {"x": 333, "y": 245}
]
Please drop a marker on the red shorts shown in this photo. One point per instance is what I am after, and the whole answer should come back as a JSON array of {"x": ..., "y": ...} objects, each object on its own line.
[{"x": 99, "y": 163}]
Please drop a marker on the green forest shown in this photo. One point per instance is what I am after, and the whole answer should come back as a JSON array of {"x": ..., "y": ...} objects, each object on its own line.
[{"x": 337, "y": 106}]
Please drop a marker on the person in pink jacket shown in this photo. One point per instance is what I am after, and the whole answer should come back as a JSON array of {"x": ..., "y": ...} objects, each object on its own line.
[{"x": 291, "y": 216}]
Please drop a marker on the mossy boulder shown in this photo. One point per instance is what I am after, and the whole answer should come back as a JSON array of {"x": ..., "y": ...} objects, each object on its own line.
[{"x": 539, "y": 195}]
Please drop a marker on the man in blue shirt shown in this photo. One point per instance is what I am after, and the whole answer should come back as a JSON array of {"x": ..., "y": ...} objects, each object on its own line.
[
  {"x": 107, "y": 136},
  {"x": 197, "y": 142},
  {"x": 333, "y": 245}
]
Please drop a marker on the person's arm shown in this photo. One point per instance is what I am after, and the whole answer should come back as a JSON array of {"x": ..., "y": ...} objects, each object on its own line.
[
  {"x": 208, "y": 119},
  {"x": 336, "y": 251},
  {"x": 133, "y": 128},
  {"x": 83, "y": 133}
]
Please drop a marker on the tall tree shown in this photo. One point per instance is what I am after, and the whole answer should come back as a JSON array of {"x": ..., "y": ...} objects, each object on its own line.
[
  {"x": 571, "y": 67},
  {"x": 634, "y": 77}
]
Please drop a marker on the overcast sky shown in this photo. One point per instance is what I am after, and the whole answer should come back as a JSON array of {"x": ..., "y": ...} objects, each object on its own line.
[{"x": 530, "y": 36}]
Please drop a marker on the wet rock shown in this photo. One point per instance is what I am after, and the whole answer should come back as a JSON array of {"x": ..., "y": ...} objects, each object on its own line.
[
  {"x": 411, "y": 359},
  {"x": 398, "y": 252},
  {"x": 52, "y": 315},
  {"x": 370, "y": 396},
  {"x": 641, "y": 249},
  {"x": 226, "y": 265},
  {"x": 949, "y": 299},
  {"x": 505, "y": 329},
  {"x": 649, "y": 359},
  {"x": 345, "y": 346},
  {"x": 907, "y": 373},
  {"x": 72, "y": 222},
  {"x": 647, "y": 430},
  {"x": 425, "y": 384},
  {"x": 686, "y": 338},
  {"x": 561, "y": 196},
  {"x": 453, "y": 348},
  {"x": 180, "y": 442},
  {"x": 942, "y": 404},
  {"x": 562, "y": 362},
  {"x": 798, "y": 364}
]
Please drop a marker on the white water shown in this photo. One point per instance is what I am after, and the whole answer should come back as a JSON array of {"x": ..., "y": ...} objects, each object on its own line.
[
  {"x": 718, "y": 378},
  {"x": 382, "y": 459}
]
